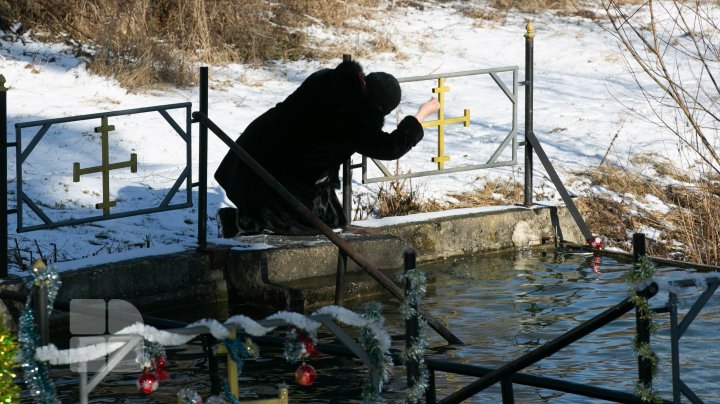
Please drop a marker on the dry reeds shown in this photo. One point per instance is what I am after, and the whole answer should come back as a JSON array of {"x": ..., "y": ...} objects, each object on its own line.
[
  {"x": 146, "y": 42},
  {"x": 689, "y": 231},
  {"x": 492, "y": 193}
]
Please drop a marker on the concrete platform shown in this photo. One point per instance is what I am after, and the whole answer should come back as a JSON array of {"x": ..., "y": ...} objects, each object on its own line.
[{"x": 271, "y": 272}]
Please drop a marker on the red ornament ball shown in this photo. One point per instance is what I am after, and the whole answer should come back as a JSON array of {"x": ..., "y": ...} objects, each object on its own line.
[
  {"x": 309, "y": 345},
  {"x": 305, "y": 375},
  {"x": 162, "y": 374},
  {"x": 147, "y": 383},
  {"x": 595, "y": 242},
  {"x": 160, "y": 362}
]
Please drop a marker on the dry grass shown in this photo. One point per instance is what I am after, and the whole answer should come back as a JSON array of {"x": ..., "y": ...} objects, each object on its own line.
[
  {"x": 399, "y": 198},
  {"x": 492, "y": 193},
  {"x": 148, "y": 42},
  {"x": 689, "y": 231}
]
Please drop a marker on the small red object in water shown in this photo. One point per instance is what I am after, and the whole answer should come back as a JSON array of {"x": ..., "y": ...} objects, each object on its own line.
[
  {"x": 162, "y": 374},
  {"x": 309, "y": 345},
  {"x": 595, "y": 242},
  {"x": 147, "y": 383},
  {"x": 160, "y": 362},
  {"x": 305, "y": 375}
]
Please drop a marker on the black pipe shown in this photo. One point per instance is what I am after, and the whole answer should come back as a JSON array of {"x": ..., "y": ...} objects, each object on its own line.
[
  {"x": 529, "y": 45},
  {"x": 642, "y": 324},
  {"x": 202, "y": 163},
  {"x": 307, "y": 215},
  {"x": 340, "y": 279},
  {"x": 506, "y": 390},
  {"x": 569, "y": 204},
  {"x": 40, "y": 303},
  {"x": 3, "y": 182},
  {"x": 213, "y": 368},
  {"x": 638, "y": 245},
  {"x": 548, "y": 348},
  {"x": 541, "y": 382}
]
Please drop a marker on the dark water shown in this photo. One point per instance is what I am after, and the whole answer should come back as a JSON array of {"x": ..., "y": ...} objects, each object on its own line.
[{"x": 501, "y": 307}]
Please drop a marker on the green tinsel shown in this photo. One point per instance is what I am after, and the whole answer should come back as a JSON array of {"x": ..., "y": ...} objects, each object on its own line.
[
  {"x": 416, "y": 351},
  {"x": 639, "y": 276},
  {"x": 9, "y": 391},
  {"x": 37, "y": 377},
  {"x": 382, "y": 362}
]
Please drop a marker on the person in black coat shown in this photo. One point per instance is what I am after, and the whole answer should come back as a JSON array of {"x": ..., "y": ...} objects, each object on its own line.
[{"x": 303, "y": 140}]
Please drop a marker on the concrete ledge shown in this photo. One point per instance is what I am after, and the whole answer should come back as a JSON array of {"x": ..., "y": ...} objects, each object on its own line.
[{"x": 296, "y": 273}]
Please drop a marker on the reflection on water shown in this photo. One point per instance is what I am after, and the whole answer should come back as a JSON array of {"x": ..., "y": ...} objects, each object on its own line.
[{"x": 501, "y": 307}]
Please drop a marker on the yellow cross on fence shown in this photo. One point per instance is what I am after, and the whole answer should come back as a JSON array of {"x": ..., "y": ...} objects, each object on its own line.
[
  {"x": 105, "y": 167},
  {"x": 440, "y": 90}
]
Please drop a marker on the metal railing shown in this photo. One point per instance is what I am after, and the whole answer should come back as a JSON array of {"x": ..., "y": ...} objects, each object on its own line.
[
  {"x": 509, "y": 140},
  {"x": 510, "y": 373}
]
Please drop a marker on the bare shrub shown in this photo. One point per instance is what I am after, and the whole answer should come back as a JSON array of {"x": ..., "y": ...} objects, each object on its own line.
[
  {"x": 689, "y": 231},
  {"x": 493, "y": 192},
  {"x": 144, "y": 42}
]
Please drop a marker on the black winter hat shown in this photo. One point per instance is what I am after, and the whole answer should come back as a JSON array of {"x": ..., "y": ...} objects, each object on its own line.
[{"x": 383, "y": 90}]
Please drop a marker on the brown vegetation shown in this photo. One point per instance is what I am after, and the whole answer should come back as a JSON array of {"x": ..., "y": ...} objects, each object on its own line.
[
  {"x": 690, "y": 231},
  {"x": 148, "y": 42}
]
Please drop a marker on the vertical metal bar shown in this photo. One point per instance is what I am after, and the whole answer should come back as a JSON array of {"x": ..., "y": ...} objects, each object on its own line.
[
  {"x": 347, "y": 190},
  {"x": 638, "y": 244},
  {"x": 3, "y": 181},
  {"x": 213, "y": 368},
  {"x": 674, "y": 347},
  {"x": 340, "y": 278},
  {"x": 506, "y": 388},
  {"x": 529, "y": 47},
  {"x": 40, "y": 301},
  {"x": 412, "y": 367},
  {"x": 642, "y": 324},
  {"x": 202, "y": 164},
  {"x": 515, "y": 116},
  {"x": 347, "y": 174},
  {"x": 83, "y": 383},
  {"x": 431, "y": 394}
]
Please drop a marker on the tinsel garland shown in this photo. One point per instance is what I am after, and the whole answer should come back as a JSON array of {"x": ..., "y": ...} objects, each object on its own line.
[
  {"x": 37, "y": 376},
  {"x": 294, "y": 350},
  {"x": 377, "y": 349},
  {"x": 375, "y": 340},
  {"x": 9, "y": 391},
  {"x": 639, "y": 277},
  {"x": 416, "y": 351}
]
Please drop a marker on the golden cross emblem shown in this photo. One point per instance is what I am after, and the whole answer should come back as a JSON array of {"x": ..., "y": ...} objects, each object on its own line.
[
  {"x": 105, "y": 167},
  {"x": 440, "y": 90}
]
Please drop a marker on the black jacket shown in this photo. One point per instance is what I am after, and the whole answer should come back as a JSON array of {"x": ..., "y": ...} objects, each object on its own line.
[{"x": 303, "y": 140}]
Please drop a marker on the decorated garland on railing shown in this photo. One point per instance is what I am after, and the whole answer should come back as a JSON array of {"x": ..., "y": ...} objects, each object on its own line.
[
  {"x": 300, "y": 344},
  {"x": 37, "y": 376},
  {"x": 416, "y": 350},
  {"x": 639, "y": 277}
]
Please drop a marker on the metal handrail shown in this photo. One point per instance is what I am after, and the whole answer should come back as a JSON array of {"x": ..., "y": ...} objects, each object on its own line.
[
  {"x": 306, "y": 214},
  {"x": 549, "y": 348}
]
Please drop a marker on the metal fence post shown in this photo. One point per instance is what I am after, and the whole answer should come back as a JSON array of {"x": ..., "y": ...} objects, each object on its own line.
[
  {"x": 202, "y": 163},
  {"x": 412, "y": 367},
  {"x": 347, "y": 209},
  {"x": 529, "y": 44},
  {"x": 213, "y": 367},
  {"x": 3, "y": 181},
  {"x": 643, "y": 333},
  {"x": 674, "y": 347}
]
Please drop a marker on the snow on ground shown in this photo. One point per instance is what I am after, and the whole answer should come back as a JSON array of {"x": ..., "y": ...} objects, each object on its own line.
[{"x": 578, "y": 68}]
